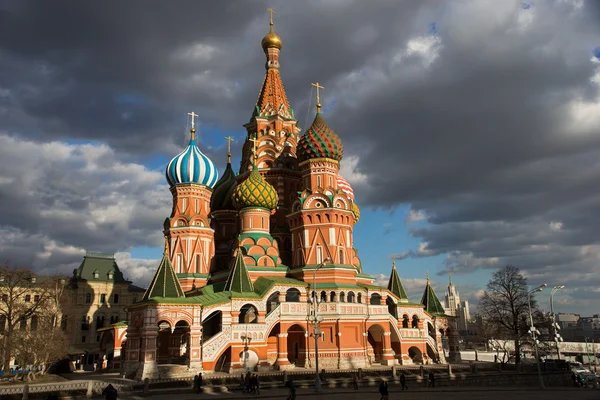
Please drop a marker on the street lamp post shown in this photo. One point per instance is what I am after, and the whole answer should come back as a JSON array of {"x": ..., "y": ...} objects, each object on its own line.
[
  {"x": 557, "y": 337},
  {"x": 533, "y": 331},
  {"x": 316, "y": 319}
]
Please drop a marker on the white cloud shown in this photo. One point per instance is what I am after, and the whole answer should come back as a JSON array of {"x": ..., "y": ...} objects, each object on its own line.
[
  {"x": 72, "y": 198},
  {"x": 556, "y": 226},
  {"x": 415, "y": 216}
]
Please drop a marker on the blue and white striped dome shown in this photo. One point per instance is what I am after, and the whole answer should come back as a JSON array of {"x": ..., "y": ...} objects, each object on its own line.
[{"x": 191, "y": 166}]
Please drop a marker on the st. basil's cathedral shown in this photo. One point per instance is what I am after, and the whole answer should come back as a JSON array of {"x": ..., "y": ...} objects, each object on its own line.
[{"x": 252, "y": 260}]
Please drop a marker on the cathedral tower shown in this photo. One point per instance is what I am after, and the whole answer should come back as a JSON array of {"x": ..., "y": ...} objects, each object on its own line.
[
  {"x": 275, "y": 127},
  {"x": 191, "y": 176},
  {"x": 324, "y": 215}
]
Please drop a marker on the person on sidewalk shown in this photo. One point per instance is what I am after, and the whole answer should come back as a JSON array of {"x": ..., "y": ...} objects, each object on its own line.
[
  {"x": 403, "y": 381},
  {"x": 196, "y": 384},
  {"x": 431, "y": 379},
  {"x": 199, "y": 383},
  {"x": 292, "y": 388},
  {"x": 109, "y": 392},
  {"x": 355, "y": 382},
  {"x": 383, "y": 390}
]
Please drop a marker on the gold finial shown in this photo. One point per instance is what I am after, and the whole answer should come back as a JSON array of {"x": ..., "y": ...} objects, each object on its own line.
[
  {"x": 254, "y": 140},
  {"x": 427, "y": 274},
  {"x": 166, "y": 246},
  {"x": 318, "y": 96},
  {"x": 193, "y": 130},
  {"x": 271, "y": 12},
  {"x": 229, "y": 140},
  {"x": 393, "y": 261}
]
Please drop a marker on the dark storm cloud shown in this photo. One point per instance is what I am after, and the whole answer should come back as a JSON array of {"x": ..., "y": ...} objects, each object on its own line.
[{"x": 480, "y": 115}]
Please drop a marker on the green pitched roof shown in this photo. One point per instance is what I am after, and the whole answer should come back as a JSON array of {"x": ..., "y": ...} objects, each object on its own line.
[
  {"x": 100, "y": 265},
  {"x": 395, "y": 285},
  {"x": 165, "y": 282},
  {"x": 430, "y": 301},
  {"x": 239, "y": 279}
]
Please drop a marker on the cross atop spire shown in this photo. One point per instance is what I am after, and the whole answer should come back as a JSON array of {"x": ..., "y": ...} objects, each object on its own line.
[
  {"x": 193, "y": 130},
  {"x": 393, "y": 261},
  {"x": 229, "y": 140},
  {"x": 254, "y": 140},
  {"x": 318, "y": 96},
  {"x": 427, "y": 275},
  {"x": 271, "y": 12}
]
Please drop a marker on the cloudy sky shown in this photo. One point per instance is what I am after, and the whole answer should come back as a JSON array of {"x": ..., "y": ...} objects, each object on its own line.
[{"x": 471, "y": 128}]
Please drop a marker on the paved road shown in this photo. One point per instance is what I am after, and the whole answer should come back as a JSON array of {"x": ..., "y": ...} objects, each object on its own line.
[{"x": 446, "y": 393}]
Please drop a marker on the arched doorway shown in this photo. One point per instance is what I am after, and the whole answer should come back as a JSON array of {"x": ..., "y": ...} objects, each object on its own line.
[
  {"x": 415, "y": 355},
  {"x": 431, "y": 353},
  {"x": 272, "y": 344},
  {"x": 212, "y": 325},
  {"x": 180, "y": 342},
  {"x": 375, "y": 299},
  {"x": 163, "y": 342},
  {"x": 272, "y": 302},
  {"x": 392, "y": 309},
  {"x": 375, "y": 339},
  {"x": 292, "y": 295},
  {"x": 296, "y": 345},
  {"x": 224, "y": 362}
]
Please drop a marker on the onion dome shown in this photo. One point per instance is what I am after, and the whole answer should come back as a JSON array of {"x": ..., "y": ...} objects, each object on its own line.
[
  {"x": 255, "y": 192},
  {"x": 271, "y": 40},
  {"x": 221, "y": 198},
  {"x": 345, "y": 187},
  {"x": 356, "y": 211},
  {"x": 319, "y": 141},
  {"x": 191, "y": 166}
]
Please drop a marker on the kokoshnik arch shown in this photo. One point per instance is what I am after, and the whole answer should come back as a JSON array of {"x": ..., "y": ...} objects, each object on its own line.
[{"x": 231, "y": 291}]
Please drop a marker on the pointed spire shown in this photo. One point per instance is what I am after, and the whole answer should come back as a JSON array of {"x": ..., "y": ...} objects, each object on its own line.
[
  {"x": 239, "y": 278},
  {"x": 165, "y": 282},
  {"x": 395, "y": 284},
  {"x": 430, "y": 300}
]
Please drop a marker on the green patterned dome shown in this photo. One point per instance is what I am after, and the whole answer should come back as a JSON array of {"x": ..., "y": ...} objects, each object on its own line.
[
  {"x": 255, "y": 192},
  {"x": 356, "y": 211},
  {"x": 320, "y": 141}
]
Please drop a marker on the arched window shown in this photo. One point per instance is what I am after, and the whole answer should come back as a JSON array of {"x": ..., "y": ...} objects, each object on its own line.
[
  {"x": 332, "y": 297},
  {"x": 405, "y": 321},
  {"x": 115, "y": 298},
  {"x": 292, "y": 295},
  {"x": 99, "y": 322},
  {"x": 375, "y": 299},
  {"x": 415, "y": 321},
  {"x": 88, "y": 298},
  {"x": 323, "y": 296},
  {"x": 342, "y": 297},
  {"x": 272, "y": 302},
  {"x": 248, "y": 314},
  {"x": 341, "y": 256},
  {"x": 350, "y": 297},
  {"x": 359, "y": 298}
]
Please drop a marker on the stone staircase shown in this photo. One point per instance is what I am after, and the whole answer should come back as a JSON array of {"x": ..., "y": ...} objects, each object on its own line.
[{"x": 172, "y": 371}]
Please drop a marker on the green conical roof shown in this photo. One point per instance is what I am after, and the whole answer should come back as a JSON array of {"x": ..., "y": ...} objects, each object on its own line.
[
  {"x": 430, "y": 300},
  {"x": 239, "y": 279},
  {"x": 395, "y": 284},
  {"x": 165, "y": 282}
]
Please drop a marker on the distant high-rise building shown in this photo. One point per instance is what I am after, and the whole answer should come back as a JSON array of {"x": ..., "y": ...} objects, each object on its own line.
[{"x": 457, "y": 308}]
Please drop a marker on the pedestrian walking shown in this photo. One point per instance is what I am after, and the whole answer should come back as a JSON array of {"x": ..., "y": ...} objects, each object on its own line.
[
  {"x": 109, "y": 392},
  {"x": 383, "y": 390},
  {"x": 256, "y": 385},
  {"x": 431, "y": 379},
  {"x": 355, "y": 382},
  {"x": 403, "y": 381},
  {"x": 292, "y": 388},
  {"x": 199, "y": 390},
  {"x": 196, "y": 384}
]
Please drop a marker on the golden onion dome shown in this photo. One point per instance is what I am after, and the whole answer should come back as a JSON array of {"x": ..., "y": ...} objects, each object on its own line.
[
  {"x": 255, "y": 192},
  {"x": 271, "y": 40},
  {"x": 356, "y": 211}
]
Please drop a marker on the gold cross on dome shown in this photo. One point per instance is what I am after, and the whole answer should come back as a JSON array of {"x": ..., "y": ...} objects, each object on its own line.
[
  {"x": 193, "y": 115},
  {"x": 229, "y": 140},
  {"x": 318, "y": 96},
  {"x": 254, "y": 140},
  {"x": 271, "y": 12}
]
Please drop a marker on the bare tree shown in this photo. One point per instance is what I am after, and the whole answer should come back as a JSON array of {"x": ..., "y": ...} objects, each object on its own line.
[
  {"x": 26, "y": 299},
  {"x": 504, "y": 306}
]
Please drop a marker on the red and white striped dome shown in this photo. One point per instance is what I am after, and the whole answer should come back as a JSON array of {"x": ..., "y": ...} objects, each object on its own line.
[{"x": 345, "y": 187}]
